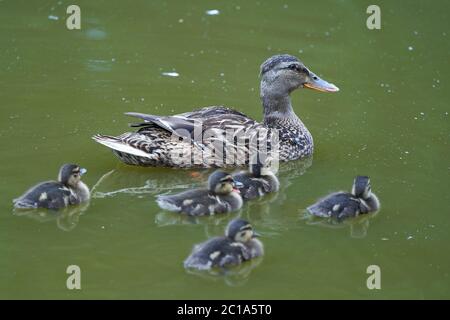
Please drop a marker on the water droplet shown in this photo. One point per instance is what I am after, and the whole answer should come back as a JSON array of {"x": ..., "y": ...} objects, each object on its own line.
[
  {"x": 213, "y": 12},
  {"x": 171, "y": 74},
  {"x": 410, "y": 48}
]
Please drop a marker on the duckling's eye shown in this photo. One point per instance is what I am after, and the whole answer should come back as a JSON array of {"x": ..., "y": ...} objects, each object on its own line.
[{"x": 294, "y": 67}]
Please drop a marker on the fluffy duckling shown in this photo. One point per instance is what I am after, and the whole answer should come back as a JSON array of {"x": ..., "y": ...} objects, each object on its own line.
[
  {"x": 238, "y": 245},
  {"x": 221, "y": 196},
  {"x": 257, "y": 181},
  {"x": 342, "y": 205},
  {"x": 68, "y": 190}
]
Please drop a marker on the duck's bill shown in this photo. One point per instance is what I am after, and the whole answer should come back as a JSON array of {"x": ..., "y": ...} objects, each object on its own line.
[
  {"x": 83, "y": 171},
  {"x": 318, "y": 84},
  {"x": 238, "y": 184}
]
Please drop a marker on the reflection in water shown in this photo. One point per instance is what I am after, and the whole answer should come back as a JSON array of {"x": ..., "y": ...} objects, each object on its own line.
[
  {"x": 154, "y": 182},
  {"x": 139, "y": 182},
  {"x": 358, "y": 226},
  {"x": 149, "y": 182},
  {"x": 66, "y": 219},
  {"x": 234, "y": 276}
]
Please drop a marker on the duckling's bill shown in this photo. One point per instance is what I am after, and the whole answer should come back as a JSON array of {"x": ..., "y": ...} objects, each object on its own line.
[{"x": 237, "y": 185}]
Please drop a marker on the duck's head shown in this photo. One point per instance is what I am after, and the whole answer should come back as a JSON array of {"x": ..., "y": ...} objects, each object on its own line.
[
  {"x": 361, "y": 187},
  {"x": 70, "y": 174},
  {"x": 220, "y": 182},
  {"x": 240, "y": 230},
  {"x": 282, "y": 74}
]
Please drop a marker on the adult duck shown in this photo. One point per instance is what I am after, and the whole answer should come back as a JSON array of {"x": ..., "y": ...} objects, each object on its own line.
[{"x": 208, "y": 137}]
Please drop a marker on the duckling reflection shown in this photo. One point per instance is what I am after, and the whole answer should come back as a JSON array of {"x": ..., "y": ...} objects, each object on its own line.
[
  {"x": 238, "y": 245},
  {"x": 233, "y": 277},
  {"x": 221, "y": 196},
  {"x": 66, "y": 219},
  {"x": 342, "y": 205},
  {"x": 68, "y": 190},
  {"x": 358, "y": 227}
]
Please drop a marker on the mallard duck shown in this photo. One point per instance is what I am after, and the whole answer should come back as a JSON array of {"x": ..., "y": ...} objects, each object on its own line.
[
  {"x": 68, "y": 190},
  {"x": 257, "y": 181},
  {"x": 186, "y": 140},
  {"x": 221, "y": 196},
  {"x": 238, "y": 245},
  {"x": 342, "y": 205}
]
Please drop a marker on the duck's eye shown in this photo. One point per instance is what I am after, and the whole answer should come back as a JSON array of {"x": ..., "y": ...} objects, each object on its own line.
[{"x": 294, "y": 67}]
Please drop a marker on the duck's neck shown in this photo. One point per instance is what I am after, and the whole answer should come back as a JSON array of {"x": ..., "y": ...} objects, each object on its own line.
[
  {"x": 82, "y": 191},
  {"x": 278, "y": 109}
]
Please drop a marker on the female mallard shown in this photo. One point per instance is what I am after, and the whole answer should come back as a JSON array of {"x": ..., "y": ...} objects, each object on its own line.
[
  {"x": 202, "y": 138},
  {"x": 238, "y": 245},
  {"x": 222, "y": 196},
  {"x": 68, "y": 190},
  {"x": 342, "y": 205}
]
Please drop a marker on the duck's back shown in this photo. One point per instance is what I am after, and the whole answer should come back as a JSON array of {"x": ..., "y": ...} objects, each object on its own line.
[
  {"x": 252, "y": 187},
  {"x": 216, "y": 252},
  {"x": 50, "y": 195},
  {"x": 339, "y": 205},
  {"x": 197, "y": 202}
]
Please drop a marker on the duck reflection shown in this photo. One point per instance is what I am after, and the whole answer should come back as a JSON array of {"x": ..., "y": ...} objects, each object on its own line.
[
  {"x": 152, "y": 182},
  {"x": 66, "y": 219},
  {"x": 234, "y": 277},
  {"x": 358, "y": 227}
]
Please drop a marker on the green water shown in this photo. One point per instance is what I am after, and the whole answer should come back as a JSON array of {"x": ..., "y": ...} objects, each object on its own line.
[{"x": 389, "y": 121}]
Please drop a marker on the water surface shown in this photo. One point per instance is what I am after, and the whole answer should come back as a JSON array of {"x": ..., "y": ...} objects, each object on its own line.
[{"x": 389, "y": 121}]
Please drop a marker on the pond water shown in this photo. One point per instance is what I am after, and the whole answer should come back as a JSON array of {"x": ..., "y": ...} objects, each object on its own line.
[{"x": 390, "y": 121}]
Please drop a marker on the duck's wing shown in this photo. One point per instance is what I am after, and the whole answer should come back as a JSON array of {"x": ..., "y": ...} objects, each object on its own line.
[
  {"x": 215, "y": 252},
  {"x": 51, "y": 195},
  {"x": 252, "y": 187},
  {"x": 195, "y": 122},
  {"x": 195, "y": 202},
  {"x": 212, "y": 111},
  {"x": 332, "y": 205},
  {"x": 178, "y": 124}
]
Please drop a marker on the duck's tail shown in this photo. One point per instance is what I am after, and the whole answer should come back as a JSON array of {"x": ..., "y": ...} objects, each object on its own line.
[
  {"x": 131, "y": 148},
  {"x": 121, "y": 145}
]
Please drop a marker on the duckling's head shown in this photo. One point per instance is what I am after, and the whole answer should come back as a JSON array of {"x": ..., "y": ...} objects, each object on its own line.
[
  {"x": 240, "y": 230},
  {"x": 361, "y": 187},
  {"x": 70, "y": 174},
  {"x": 221, "y": 182},
  {"x": 282, "y": 74}
]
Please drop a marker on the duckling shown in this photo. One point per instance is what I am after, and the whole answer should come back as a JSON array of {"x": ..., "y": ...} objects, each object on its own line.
[
  {"x": 68, "y": 190},
  {"x": 257, "y": 181},
  {"x": 221, "y": 196},
  {"x": 238, "y": 245},
  {"x": 342, "y": 205}
]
